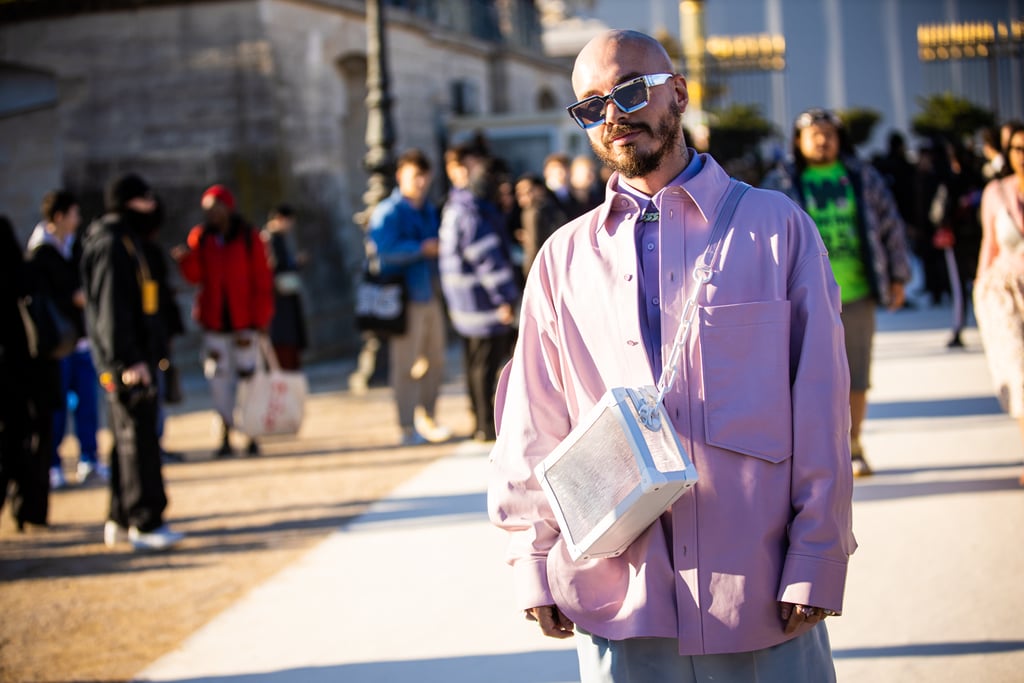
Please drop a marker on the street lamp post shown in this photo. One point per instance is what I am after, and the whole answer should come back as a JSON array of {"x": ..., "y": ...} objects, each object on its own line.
[
  {"x": 380, "y": 131},
  {"x": 380, "y": 167},
  {"x": 691, "y": 33},
  {"x": 708, "y": 58}
]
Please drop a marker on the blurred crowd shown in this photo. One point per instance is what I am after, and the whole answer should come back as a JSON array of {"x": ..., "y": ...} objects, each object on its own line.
[
  {"x": 464, "y": 265},
  {"x": 939, "y": 197},
  {"x": 90, "y": 313},
  {"x": 90, "y": 308}
]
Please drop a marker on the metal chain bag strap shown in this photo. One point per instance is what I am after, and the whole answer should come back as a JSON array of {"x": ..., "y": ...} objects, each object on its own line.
[{"x": 623, "y": 465}]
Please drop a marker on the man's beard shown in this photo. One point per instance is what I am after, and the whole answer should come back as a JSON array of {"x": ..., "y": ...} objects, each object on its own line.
[{"x": 632, "y": 163}]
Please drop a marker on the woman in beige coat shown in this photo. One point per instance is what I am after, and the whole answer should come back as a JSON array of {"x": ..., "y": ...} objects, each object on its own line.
[{"x": 999, "y": 285}]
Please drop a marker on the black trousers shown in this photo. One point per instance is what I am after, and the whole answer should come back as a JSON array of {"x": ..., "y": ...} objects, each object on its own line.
[
  {"x": 485, "y": 356},
  {"x": 25, "y": 448},
  {"x": 137, "y": 497}
]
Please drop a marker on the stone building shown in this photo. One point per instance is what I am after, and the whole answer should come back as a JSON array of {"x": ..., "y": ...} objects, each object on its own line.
[
  {"x": 837, "y": 53},
  {"x": 266, "y": 96}
]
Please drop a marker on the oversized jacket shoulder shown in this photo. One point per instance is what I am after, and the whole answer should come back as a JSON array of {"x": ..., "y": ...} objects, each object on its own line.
[{"x": 761, "y": 405}]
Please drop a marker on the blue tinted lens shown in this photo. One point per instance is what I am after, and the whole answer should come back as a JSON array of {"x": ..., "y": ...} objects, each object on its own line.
[{"x": 628, "y": 97}]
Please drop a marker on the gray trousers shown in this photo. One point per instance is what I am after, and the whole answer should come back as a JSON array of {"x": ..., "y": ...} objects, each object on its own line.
[
  {"x": 424, "y": 339},
  {"x": 805, "y": 659}
]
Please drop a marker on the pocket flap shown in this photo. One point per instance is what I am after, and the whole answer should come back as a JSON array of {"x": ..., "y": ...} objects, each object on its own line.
[{"x": 746, "y": 378}]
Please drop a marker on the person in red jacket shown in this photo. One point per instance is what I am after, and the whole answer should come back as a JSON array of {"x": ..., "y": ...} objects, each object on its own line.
[{"x": 235, "y": 301}]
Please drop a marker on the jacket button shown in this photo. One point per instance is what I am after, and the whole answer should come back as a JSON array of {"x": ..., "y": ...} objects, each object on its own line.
[{"x": 632, "y": 342}]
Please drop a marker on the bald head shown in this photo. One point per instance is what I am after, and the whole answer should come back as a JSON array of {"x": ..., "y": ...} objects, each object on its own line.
[
  {"x": 616, "y": 47},
  {"x": 642, "y": 139}
]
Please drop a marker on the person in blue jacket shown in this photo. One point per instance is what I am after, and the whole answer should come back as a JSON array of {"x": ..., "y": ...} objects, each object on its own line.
[{"x": 403, "y": 236}]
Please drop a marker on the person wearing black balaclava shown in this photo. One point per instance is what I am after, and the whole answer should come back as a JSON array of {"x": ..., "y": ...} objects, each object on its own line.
[{"x": 122, "y": 318}]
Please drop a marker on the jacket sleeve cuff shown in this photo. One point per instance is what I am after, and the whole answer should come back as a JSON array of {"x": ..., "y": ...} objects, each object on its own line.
[
  {"x": 813, "y": 581},
  {"x": 530, "y": 578}
]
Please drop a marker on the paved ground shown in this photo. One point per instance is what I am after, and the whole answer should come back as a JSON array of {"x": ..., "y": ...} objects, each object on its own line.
[
  {"x": 74, "y": 610},
  {"x": 415, "y": 590}
]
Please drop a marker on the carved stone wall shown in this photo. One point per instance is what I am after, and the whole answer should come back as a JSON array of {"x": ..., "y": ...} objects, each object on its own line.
[{"x": 265, "y": 96}]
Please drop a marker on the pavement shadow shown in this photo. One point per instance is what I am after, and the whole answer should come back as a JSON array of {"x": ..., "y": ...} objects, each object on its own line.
[
  {"x": 914, "y": 320},
  {"x": 559, "y": 666},
  {"x": 71, "y": 550},
  {"x": 942, "y": 407},
  {"x": 864, "y": 493},
  {"x": 424, "y": 509},
  {"x": 186, "y": 475},
  {"x": 960, "y": 467},
  {"x": 81, "y": 565},
  {"x": 345, "y": 510},
  {"x": 952, "y": 649}
]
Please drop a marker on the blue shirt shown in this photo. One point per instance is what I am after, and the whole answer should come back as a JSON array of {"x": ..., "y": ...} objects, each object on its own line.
[{"x": 647, "y": 237}]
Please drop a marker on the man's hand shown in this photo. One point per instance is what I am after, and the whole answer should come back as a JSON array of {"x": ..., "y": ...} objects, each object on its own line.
[
  {"x": 505, "y": 314},
  {"x": 136, "y": 374},
  {"x": 552, "y": 622},
  {"x": 795, "y": 615},
  {"x": 429, "y": 248}
]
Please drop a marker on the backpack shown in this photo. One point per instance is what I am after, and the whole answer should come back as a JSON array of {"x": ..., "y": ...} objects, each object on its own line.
[{"x": 50, "y": 334}]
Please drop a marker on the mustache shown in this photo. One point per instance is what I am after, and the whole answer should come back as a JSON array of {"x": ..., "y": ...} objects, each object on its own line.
[{"x": 617, "y": 131}]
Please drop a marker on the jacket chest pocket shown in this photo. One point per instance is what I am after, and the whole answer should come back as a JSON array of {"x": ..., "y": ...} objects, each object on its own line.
[{"x": 746, "y": 378}]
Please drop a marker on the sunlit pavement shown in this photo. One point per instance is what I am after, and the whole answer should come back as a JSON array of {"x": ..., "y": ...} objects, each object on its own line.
[{"x": 416, "y": 590}]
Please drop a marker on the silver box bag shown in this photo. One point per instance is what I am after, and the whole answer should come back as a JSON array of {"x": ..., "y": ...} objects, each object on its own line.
[{"x": 623, "y": 465}]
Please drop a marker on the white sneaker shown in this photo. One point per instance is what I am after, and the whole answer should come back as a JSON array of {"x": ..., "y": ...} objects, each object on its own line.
[
  {"x": 57, "y": 480},
  {"x": 431, "y": 431},
  {"x": 88, "y": 471},
  {"x": 357, "y": 384},
  {"x": 114, "y": 533},
  {"x": 85, "y": 472},
  {"x": 161, "y": 538}
]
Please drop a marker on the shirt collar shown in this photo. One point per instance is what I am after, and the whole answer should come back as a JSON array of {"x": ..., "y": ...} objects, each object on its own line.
[
  {"x": 692, "y": 168},
  {"x": 703, "y": 181}
]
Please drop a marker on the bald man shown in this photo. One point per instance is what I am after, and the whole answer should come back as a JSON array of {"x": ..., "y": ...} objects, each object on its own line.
[{"x": 733, "y": 582}]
